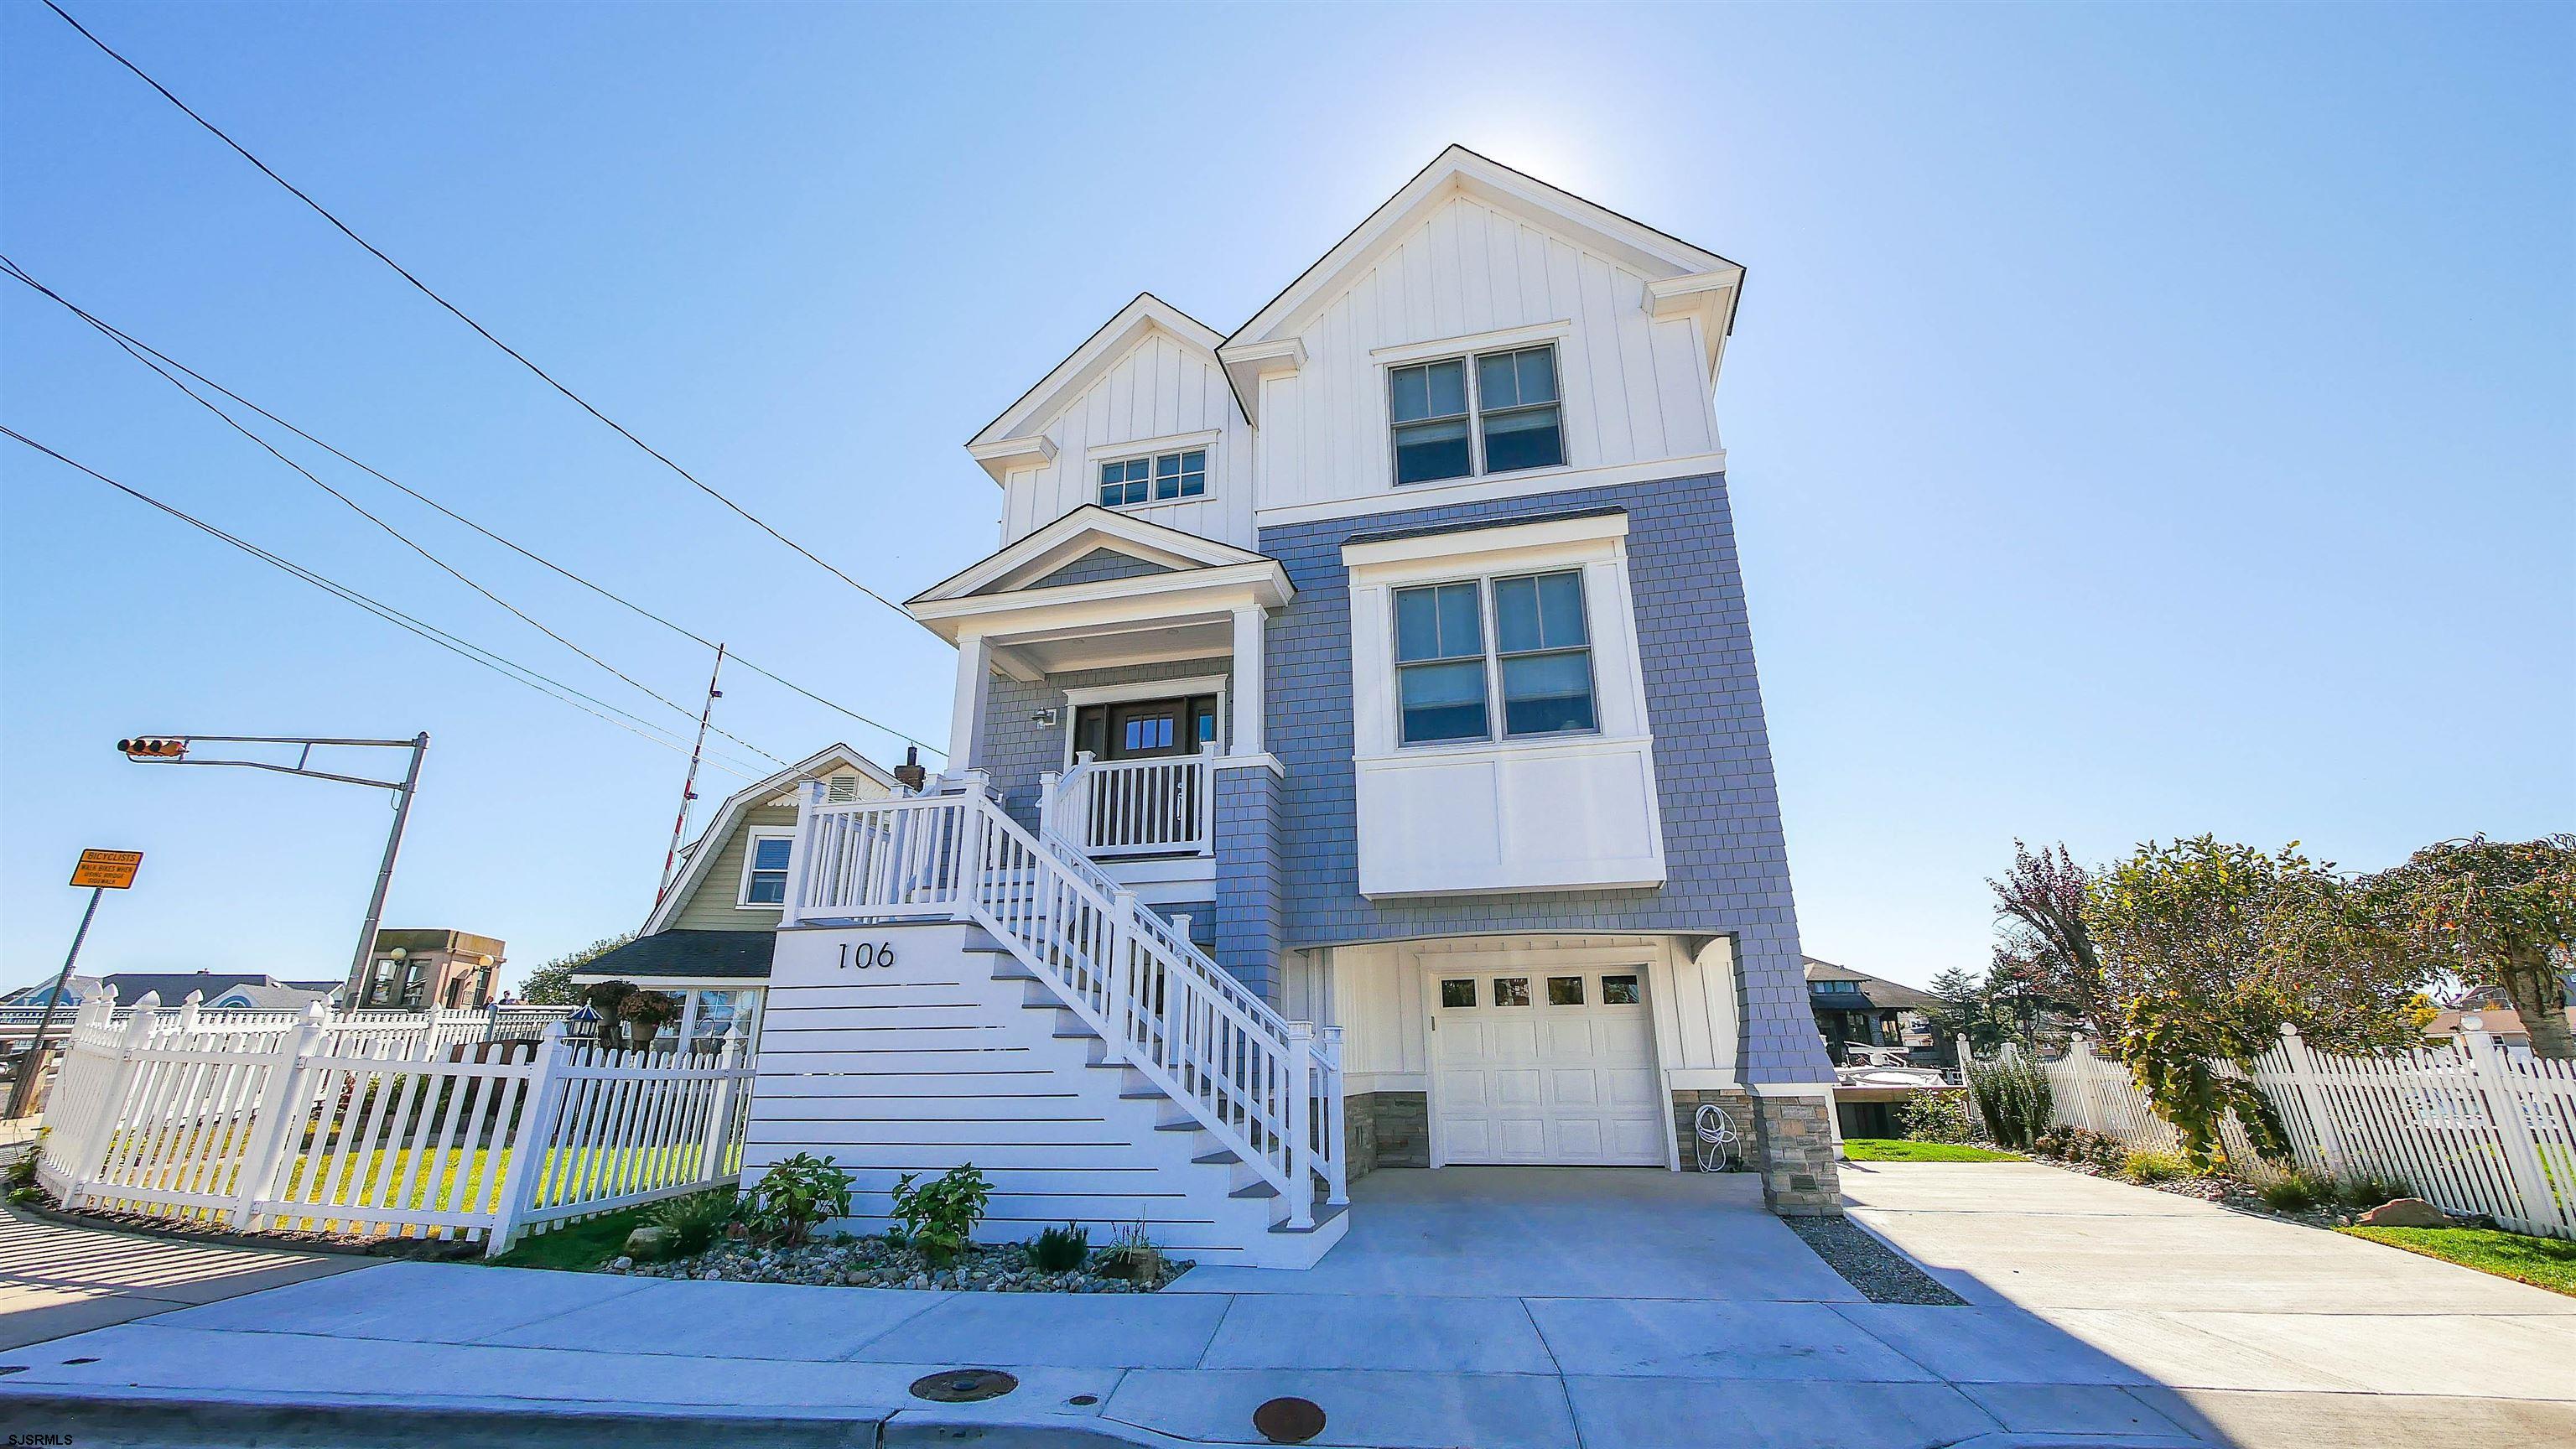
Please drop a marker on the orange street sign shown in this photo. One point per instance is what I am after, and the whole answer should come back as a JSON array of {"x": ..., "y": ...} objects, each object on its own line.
[{"x": 113, "y": 869}]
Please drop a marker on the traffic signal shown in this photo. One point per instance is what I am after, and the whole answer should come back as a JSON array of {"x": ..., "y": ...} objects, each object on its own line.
[{"x": 140, "y": 748}]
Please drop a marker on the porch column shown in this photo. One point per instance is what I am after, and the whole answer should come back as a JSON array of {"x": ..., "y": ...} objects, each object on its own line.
[
  {"x": 966, "y": 716},
  {"x": 1247, "y": 681}
]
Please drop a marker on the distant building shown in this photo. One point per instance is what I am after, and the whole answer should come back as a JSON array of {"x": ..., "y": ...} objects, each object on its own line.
[
  {"x": 415, "y": 970},
  {"x": 1855, "y": 1008},
  {"x": 213, "y": 989}
]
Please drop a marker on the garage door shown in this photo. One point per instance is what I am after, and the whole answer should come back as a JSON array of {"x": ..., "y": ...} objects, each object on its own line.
[{"x": 1540, "y": 1066}]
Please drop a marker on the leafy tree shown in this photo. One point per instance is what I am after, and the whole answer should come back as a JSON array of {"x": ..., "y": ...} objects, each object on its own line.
[
  {"x": 2041, "y": 903},
  {"x": 2209, "y": 948},
  {"x": 551, "y": 984},
  {"x": 2497, "y": 912}
]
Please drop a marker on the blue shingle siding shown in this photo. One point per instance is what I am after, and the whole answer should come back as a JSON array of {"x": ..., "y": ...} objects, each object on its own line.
[
  {"x": 1016, "y": 750},
  {"x": 1727, "y": 862},
  {"x": 1248, "y": 877},
  {"x": 1098, "y": 566}
]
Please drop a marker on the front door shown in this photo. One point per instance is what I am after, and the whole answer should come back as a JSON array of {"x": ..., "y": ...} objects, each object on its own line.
[
  {"x": 1543, "y": 1064},
  {"x": 1146, "y": 728}
]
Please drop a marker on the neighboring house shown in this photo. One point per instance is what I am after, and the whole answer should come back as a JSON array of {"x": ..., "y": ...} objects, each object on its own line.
[
  {"x": 416, "y": 970},
  {"x": 1396, "y": 640},
  {"x": 213, "y": 989},
  {"x": 38, "y": 994},
  {"x": 277, "y": 996},
  {"x": 1853, "y": 1008},
  {"x": 709, "y": 938}
]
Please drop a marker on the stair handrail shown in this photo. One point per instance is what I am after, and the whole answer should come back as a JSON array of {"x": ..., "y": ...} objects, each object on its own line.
[{"x": 1245, "y": 1073}]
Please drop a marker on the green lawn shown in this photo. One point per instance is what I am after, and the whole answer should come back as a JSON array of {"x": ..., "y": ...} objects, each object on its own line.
[
  {"x": 579, "y": 1248},
  {"x": 1902, "y": 1149},
  {"x": 2541, "y": 1262}
]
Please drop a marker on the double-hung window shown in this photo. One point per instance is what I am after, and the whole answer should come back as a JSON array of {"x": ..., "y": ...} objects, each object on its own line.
[
  {"x": 1162, "y": 478},
  {"x": 1508, "y": 420},
  {"x": 1535, "y": 673},
  {"x": 764, "y": 870}
]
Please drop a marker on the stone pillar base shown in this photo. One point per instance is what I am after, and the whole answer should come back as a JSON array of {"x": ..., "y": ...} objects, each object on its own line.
[{"x": 1794, "y": 1147}]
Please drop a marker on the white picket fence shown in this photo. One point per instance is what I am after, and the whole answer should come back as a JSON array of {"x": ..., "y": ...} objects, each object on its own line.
[
  {"x": 339, "y": 1127},
  {"x": 2469, "y": 1127}
]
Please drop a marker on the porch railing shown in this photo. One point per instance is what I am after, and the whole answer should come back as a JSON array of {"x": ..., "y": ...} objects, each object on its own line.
[
  {"x": 1113, "y": 808},
  {"x": 1264, "y": 1086}
]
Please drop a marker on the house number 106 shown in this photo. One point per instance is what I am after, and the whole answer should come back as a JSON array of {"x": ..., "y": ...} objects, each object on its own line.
[{"x": 865, "y": 955}]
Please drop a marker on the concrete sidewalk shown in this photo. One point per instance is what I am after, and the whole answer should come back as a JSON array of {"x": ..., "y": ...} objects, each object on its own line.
[
  {"x": 56, "y": 1280},
  {"x": 1442, "y": 1360}
]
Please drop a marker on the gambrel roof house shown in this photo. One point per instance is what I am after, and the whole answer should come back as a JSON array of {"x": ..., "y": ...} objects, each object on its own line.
[{"x": 1356, "y": 762}]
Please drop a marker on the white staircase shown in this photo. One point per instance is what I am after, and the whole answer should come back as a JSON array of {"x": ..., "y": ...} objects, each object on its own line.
[{"x": 1222, "y": 1117}]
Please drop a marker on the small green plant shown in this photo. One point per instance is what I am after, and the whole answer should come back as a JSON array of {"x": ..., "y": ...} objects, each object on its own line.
[
  {"x": 1936, "y": 1117},
  {"x": 2294, "y": 1191},
  {"x": 694, "y": 1221},
  {"x": 1060, "y": 1250},
  {"x": 2364, "y": 1188},
  {"x": 1134, "y": 1257},
  {"x": 793, "y": 1196},
  {"x": 2150, "y": 1165},
  {"x": 2014, "y": 1097},
  {"x": 939, "y": 1216},
  {"x": 18, "y": 1179}
]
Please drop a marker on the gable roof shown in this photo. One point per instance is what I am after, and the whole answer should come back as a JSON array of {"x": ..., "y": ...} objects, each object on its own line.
[
  {"x": 742, "y": 954},
  {"x": 702, "y": 851},
  {"x": 1016, "y": 438},
  {"x": 1681, "y": 277},
  {"x": 1880, "y": 993},
  {"x": 1086, "y": 530}
]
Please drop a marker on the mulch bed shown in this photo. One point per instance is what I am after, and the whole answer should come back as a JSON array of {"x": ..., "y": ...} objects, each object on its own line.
[
  {"x": 1880, "y": 1273},
  {"x": 848, "y": 1262}
]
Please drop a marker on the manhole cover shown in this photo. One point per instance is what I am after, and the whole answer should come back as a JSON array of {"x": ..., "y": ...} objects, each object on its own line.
[
  {"x": 1288, "y": 1421},
  {"x": 963, "y": 1386}
]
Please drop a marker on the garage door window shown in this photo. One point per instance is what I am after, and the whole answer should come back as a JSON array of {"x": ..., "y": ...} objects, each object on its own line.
[
  {"x": 1511, "y": 991},
  {"x": 1565, "y": 991},
  {"x": 1619, "y": 991},
  {"x": 1458, "y": 993}
]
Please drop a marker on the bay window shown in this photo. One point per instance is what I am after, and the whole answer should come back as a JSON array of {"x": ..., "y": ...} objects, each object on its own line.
[{"x": 1539, "y": 665}]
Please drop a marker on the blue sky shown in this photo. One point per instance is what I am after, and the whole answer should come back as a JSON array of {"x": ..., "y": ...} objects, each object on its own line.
[{"x": 2141, "y": 420}]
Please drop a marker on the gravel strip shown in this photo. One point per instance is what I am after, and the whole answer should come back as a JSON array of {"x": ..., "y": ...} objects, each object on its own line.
[
  {"x": 875, "y": 1263},
  {"x": 1881, "y": 1274}
]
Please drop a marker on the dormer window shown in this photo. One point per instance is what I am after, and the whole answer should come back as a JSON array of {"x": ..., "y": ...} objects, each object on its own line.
[
  {"x": 1506, "y": 421},
  {"x": 1161, "y": 478}
]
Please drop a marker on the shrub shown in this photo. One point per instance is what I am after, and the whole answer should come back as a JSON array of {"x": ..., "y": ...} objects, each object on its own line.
[
  {"x": 2149, "y": 1165},
  {"x": 792, "y": 1197},
  {"x": 1134, "y": 1257},
  {"x": 18, "y": 1179},
  {"x": 1060, "y": 1250},
  {"x": 2294, "y": 1191},
  {"x": 2365, "y": 1188},
  {"x": 939, "y": 1216},
  {"x": 2014, "y": 1097},
  {"x": 1936, "y": 1117},
  {"x": 694, "y": 1221}
]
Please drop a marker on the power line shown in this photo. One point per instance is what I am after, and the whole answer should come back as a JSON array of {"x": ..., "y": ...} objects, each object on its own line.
[
  {"x": 508, "y": 669},
  {"x": 131, "y": 343},
  {"x": 459, "y": 314},
  {"x": 11, "y": 269}
]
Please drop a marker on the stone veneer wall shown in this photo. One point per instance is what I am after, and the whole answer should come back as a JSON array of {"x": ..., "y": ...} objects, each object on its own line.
[
  {"x": 1726, "y": 857},
  {"x": 1787, "y": 1139},
  {"x": 1385, "y": 1129}
]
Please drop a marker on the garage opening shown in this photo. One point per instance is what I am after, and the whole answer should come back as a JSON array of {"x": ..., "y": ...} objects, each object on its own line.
[{"x": 1535, "y": 1065}]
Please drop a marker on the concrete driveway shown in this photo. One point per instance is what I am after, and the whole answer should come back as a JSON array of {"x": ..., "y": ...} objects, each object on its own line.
[{"x": 1505, "y": 1310}]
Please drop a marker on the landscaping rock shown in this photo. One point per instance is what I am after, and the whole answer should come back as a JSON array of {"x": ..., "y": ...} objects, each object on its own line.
[
  {"x": 2404, "y": 1212},
  {"x": 649, "y": 1244},
  {"x": 877, "y": 1263}
]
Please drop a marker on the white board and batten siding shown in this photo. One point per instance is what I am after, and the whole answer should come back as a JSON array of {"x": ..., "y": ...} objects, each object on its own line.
[
  {"x": 1636, "y": 389},
  {"x": 932, "y": 1063},
  {"x": 1165, "y": 394}
]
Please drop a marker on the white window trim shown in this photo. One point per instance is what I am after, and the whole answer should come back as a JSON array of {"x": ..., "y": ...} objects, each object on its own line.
[
  {"x": 1596, "y": 546},
  {"x": 1150, "y": 448},
  {"x": 1216, "y": 684},
  {"x": 1489, "y": 626},
  {"x": 752, "y": 836},
  {"x": 1467, "y": 350}
]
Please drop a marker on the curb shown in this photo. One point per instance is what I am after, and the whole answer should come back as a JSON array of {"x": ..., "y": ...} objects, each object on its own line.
[{"x": 142, "y": 1418}]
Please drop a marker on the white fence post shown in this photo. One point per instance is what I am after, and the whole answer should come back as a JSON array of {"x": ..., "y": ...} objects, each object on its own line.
[
  {"x": 720, "y": 1120},
  {"x": 2312, "y": 1105},
  {"x": 1337, "y": 1176},
  {"x": 90, "y": 1154},
  {"x": 1301, "y": 1132},
  {"x": 791, "y": 906},
  {"x": 525, "y": 1177},
  {"x": 2539, "y": 1211},
  {"x": 279, "y": 1099}
]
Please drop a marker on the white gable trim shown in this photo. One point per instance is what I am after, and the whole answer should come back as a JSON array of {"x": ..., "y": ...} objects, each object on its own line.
[
  {"x": 1456, "y": 170},
  {"x": 1013, "y": 439},
  {"x": 1071, "y": 537},
  {"x": 710, "y": 842}
]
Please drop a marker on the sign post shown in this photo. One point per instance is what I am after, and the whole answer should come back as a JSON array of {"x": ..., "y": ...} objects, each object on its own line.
[{"x": 102, "y": 871}]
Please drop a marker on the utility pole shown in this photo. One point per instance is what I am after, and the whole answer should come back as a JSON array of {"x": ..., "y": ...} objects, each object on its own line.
[
  {"x": 173, "y": 750},
  {"x": 689, "y": 786}
]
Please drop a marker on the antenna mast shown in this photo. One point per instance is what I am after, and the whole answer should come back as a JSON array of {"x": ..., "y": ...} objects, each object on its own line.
[{"x": 689, "y": 786}]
